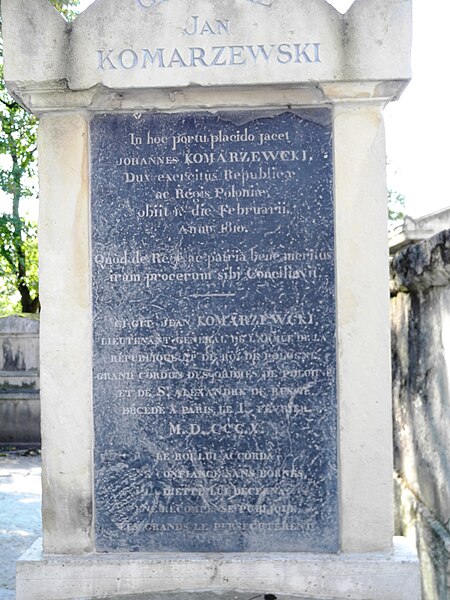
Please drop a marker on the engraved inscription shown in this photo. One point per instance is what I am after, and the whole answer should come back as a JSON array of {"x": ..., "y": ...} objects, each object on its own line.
[
  {"x": 215, "y": 56},
  {"x": 197, "y": 26},
  {"x": 214, "y": 332}
]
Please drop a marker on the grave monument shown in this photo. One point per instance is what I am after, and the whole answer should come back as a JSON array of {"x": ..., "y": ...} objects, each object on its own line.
[{"x": 216, "y": 414}]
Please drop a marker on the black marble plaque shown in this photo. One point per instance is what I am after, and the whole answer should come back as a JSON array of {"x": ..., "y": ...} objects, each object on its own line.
[{"x": 214, "y": 332}]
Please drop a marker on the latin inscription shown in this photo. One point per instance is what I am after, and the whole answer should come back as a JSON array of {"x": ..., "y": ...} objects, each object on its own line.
[{"x": 214, "y": 332}]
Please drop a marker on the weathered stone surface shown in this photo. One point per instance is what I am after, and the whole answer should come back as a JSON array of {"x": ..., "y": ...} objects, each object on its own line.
[
  {"x": 390, "y": 575},
  {"x": 167, "y": 43},
  {"x": 365, "y": 65},
  {"x": 19, "y": 381},
  {"x": 41, "y": 54},
  {"x": 20, "y": 418},
  {"x": 423, "y": 265},
  {"x": 214, "y": 327},
  {"x": 420, "y": 347},
  {"x": 227, "y": 595},
  {"x": 420, "y": 320},
  {"x": 363, "y": 337},
  {"x": 432, "y": 539},
  {"x": 16, "y": 324},
  {"x": 19, "y": 343},
  {"x": 66, "y": 334}
]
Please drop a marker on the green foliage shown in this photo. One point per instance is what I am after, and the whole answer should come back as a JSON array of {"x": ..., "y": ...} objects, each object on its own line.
[
  {"x": 18, "y": 236},
  {"x": 396, "y": 209},
  {"x": 66, "y": 7},
  {"x": 17, "y": 173}
]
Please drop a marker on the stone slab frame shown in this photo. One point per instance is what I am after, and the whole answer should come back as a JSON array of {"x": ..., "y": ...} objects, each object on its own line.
[
  {"x": 363, "y": 336},
  {"x": 356, "y": 64}
]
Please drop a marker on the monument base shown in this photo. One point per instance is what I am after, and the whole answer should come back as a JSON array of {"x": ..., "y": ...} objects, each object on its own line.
[{"x": 391, "y": 575}]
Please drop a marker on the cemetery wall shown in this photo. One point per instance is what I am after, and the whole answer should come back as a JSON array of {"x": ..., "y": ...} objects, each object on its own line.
[{"x": 420, "y": 321}]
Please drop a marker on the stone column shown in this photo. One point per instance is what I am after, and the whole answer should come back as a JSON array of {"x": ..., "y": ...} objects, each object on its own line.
[
  {"x": 66, "y": 334},
  {"x": 363, "y": 330}
]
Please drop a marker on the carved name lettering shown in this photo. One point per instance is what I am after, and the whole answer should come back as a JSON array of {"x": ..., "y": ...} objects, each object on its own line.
[
  {"x": 205, "y": 27},
  {"x": 129, "y": 59}
]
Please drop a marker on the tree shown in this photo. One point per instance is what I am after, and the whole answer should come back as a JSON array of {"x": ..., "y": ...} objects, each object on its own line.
[
  {"x": 396, "y": 209},
  {"x": 18, "y": 236}
]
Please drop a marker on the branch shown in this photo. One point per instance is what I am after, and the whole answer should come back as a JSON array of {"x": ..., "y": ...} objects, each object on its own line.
[{"x": 10, "y": 105}]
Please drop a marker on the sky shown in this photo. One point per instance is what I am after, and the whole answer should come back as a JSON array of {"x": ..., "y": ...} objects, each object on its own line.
[{"x": 418, "y": 125}]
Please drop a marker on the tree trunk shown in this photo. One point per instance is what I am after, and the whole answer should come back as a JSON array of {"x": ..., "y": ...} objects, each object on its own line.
[{"x": 29, "y": 304}]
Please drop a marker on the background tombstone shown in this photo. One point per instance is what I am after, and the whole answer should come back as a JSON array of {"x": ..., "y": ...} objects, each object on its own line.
[
  {"x": 420, "y": 386},
  {"x": 213, "y": 217},
  {"x": 19, "y": 382}
]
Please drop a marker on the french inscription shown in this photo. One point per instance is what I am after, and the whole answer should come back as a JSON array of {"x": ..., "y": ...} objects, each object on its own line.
[{"x": 214, "y": 332}]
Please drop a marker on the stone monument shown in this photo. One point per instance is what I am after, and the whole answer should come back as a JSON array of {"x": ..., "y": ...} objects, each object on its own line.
[{"x": 216, "y": 414}]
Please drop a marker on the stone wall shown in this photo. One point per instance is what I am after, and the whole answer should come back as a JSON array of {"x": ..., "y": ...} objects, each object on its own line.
[
  {"x": 420, "y": 323},
  {"x": 19, "y": 381}
]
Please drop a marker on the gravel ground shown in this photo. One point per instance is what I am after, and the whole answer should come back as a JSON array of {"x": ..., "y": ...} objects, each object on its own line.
[{"x": 20, "y": 511}]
